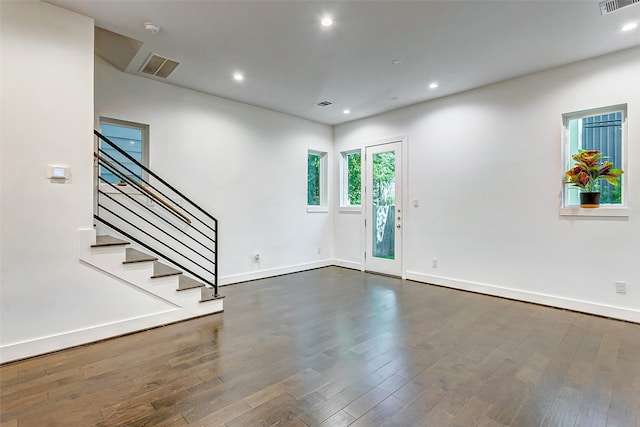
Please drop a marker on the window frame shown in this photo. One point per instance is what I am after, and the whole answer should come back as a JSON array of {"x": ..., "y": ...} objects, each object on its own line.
[
  {"x": 605, "y": 210},
  {"x": 144, "y": 144},
  {"x": 344, "y": 180},
  {"x": 323, "y": 205}
]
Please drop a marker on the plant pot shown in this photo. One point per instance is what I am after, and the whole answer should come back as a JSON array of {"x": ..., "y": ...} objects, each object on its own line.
[{"x": 590, "y": 200}]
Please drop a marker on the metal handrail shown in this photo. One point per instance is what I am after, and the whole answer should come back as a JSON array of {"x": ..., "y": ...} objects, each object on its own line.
[
  {"x": 148, "y": 210},
  {"x": 144, "y": 189},
  {"x": 153, "y": 174},
  {"x": 124, "y": 177},
  {"x": 148, "y": 233},
  {"x": 131, "y": 173}
]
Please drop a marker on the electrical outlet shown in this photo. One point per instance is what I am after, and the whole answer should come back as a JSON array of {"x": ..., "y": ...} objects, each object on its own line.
[
  {"x": 621, "y": 287},
  {"x": 319, "y": 251},
  {"x": 434, "y": 263},
  {"x": 256, "y": 257}
]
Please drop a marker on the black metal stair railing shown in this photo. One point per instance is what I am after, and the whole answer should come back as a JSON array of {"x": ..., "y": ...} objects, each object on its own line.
[{"x": 155, "y": 215}]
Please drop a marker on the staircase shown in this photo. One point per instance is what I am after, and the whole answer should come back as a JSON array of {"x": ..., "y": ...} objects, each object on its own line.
[
  {"x": 116, "y": 257},
  {"x": 151, "y": 235}
]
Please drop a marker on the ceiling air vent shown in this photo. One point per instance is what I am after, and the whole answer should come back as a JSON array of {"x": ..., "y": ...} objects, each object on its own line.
[
  {"x": 324, "y": 104},
  {"x": 159, "y": 66},
  {"x": 609, "y": 6}
]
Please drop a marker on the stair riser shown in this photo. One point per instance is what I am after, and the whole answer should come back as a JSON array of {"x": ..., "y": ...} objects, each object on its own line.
[
  {"x": 207, "y": 294},
  {"x": 138, "y": 272},
  {"x": 182, "y": 287}
]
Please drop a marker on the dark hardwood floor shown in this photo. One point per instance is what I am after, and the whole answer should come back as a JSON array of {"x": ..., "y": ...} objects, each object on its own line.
[{"x": 336, "y": 347}]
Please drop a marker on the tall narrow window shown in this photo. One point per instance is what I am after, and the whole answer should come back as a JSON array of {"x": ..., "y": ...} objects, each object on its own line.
[
  {"x": 316, "y": 179},
  {"x": 132, "y": 138},
  {"x": 601, "y": 129},
  {"x": 350, "y": 175}
]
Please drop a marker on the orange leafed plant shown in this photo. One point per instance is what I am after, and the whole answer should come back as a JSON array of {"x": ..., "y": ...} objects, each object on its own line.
[{"x": 589, "y": 169}]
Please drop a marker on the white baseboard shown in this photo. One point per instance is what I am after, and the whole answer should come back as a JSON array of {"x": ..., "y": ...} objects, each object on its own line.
[
  {"x": 271, "y": 272},
  {"x": 348, "y": 264},
  {"x": 516, "y": 294},
  {"x": 48, "y": 344}
]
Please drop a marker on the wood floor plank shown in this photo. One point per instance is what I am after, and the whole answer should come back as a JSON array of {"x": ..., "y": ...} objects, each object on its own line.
[
  {"x": 323, "y": 410},
  {"x": 471, "y": 414},
  {"x": 264, "y": 395},
  {"x": 564, "y": 409},
  {"x": 339, "y": 419},
  {"x": 624, "y": 406},
  {"x": 337, "y": 347},
  {"x": 221, "y": 416},
  {"x": 279, "y": 410},
  {"x": 381, "y": 413},
  {"x": 415, "y": 412},
  {"x": 368, "y": 400}
]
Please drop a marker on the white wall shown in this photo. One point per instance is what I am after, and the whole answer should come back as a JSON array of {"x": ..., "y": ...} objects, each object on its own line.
[
  {"x": 47, "y": 118},
  {"x": 485, "y": 166},
  {"x": 245, "y": 165},
  {"x": 248, "y": 165}
]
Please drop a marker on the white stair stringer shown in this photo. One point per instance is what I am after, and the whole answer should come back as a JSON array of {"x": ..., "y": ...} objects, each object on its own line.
[{"x": 110, "y": 260}]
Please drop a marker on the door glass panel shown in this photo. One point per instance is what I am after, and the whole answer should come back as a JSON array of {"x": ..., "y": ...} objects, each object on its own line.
[{"x": 384, "y": 194}]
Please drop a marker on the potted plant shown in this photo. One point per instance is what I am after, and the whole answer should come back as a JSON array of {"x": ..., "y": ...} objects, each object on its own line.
[{"x": 590, "y": 168}]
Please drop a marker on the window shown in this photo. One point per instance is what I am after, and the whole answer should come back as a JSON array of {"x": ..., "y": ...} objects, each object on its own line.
[
  {"x": 602, "y": 129},
  {"x": 317, "y": 180},
  {"x": 130, "y": 137},
  {"x": 350, "y": 178}
]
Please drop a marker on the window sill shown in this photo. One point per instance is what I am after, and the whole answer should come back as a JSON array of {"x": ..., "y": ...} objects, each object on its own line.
[
  {"x": 128, "y": 189},
  {"x": 317, "y": 209},
  {"x": 350, "y": 209},
  {"x": 595, "y": 212}
]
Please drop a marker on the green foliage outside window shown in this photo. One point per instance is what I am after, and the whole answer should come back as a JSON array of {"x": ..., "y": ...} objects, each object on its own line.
[
  {"x": 313, "y": 180},
  {"x": 354, "y": 177},
  {"x": 384, "y": 177}
]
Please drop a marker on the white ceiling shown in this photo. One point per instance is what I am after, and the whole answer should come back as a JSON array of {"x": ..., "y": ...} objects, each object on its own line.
[{"x": 291, "y": 62}]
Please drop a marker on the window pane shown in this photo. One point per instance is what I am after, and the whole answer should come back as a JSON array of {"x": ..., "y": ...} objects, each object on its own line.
[
  {"x": 353, "y": 179},
  {"x": 128, "y": 139},
  {"x": 601, "y": 132},
  {"x": 313, "y": 180},
  {"x": 604, "y": 133}
]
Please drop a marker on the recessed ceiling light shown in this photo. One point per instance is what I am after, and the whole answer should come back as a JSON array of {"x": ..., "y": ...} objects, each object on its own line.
[
  {"x": 630, "y": 26},
  {"x": 433, "y": 85},
  {"x": 238, "y": 77},
  {"x": 347, "y": 111},
  {"x": 326, "y": 21},
  {"x": 151, "y": 27}
]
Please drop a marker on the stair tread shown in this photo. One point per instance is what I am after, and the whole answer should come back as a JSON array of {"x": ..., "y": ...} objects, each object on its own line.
[
  {"x": 134, "y": 255},
  {"x": 106, "y": 240},
  {"x": 186, "y": 282},
  {"x": 163, "y": 270}
]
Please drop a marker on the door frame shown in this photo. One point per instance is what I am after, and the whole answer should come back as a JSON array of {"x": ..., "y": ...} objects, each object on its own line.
[{"x": 402, "y": 140}]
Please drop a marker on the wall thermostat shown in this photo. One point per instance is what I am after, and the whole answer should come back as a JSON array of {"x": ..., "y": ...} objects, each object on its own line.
[{"x": 58, "y": 172}]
